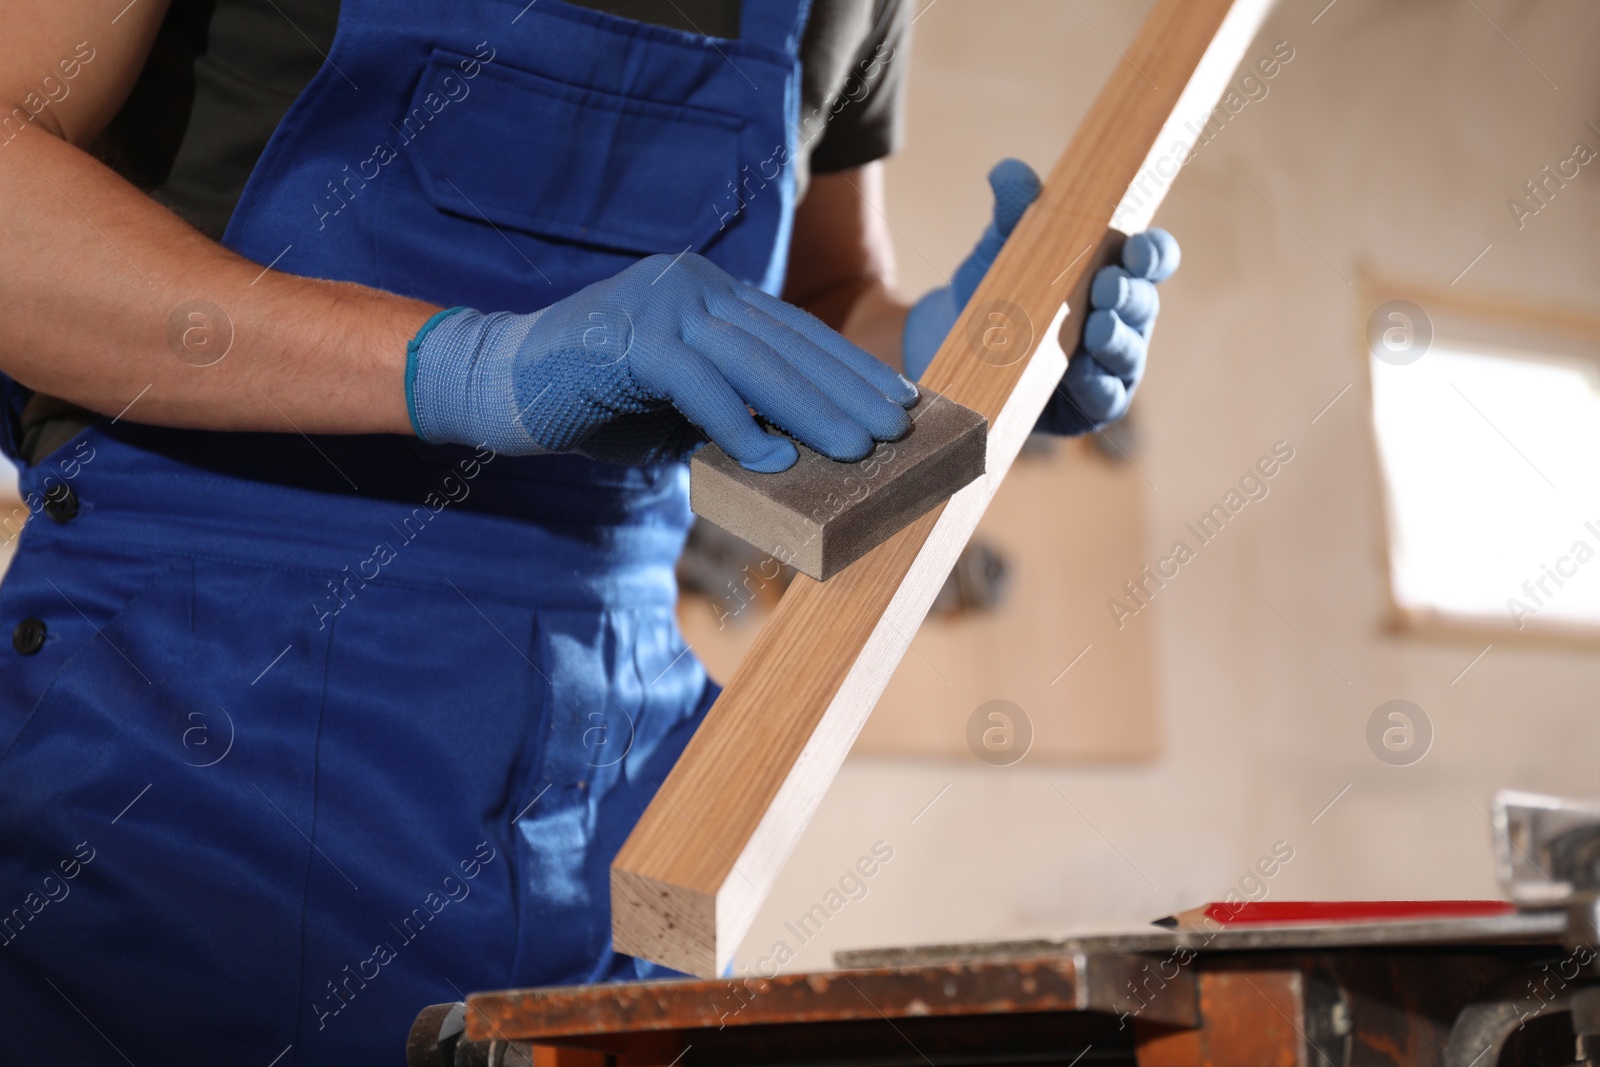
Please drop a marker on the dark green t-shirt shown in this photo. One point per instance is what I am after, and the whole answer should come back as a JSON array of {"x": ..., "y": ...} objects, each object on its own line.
[{"x": 222, "y": 73}]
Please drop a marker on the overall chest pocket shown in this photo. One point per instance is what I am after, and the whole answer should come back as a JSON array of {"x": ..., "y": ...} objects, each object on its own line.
[{"x": 529, "y": 153}]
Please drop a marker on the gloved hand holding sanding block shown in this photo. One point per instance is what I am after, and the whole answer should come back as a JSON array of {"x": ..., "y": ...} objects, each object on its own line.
[{"x": 820, "y": 515}]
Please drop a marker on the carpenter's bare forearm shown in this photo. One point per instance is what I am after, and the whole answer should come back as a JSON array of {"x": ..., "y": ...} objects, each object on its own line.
[{"x": 108, "y": 294}]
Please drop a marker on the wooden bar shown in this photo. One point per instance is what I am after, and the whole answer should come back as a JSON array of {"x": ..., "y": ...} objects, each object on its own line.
[{"x": 687, "y": 883}]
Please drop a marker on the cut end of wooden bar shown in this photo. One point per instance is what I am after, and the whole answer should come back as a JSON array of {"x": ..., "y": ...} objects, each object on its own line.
[
  {"x": 679, "y": 927},
  {"x": 821, "y": 515}
]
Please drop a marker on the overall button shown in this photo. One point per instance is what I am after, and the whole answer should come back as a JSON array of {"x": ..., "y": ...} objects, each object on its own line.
[
  {"x": 61, "y": 503},
  {"x": 28, "y": 637}
]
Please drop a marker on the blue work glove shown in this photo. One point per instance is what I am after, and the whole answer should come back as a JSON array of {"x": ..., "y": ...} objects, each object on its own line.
[
  {"x": 635, "y": 368},
  {"x": 1103, "y": 373},
  {"x": 1105, "y": 370}
]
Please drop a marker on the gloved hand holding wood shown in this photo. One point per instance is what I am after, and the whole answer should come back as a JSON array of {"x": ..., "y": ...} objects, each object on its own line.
[
  {"x": 1107, "y": 367},
  {"x": 645, "y": 365}
]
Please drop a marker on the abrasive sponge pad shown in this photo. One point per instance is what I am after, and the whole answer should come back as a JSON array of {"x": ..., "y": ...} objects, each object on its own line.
[{"x": 821, "y": 515}]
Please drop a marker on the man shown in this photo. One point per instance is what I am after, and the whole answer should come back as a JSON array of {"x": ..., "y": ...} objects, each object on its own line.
[{"x": 343, "y": 655}]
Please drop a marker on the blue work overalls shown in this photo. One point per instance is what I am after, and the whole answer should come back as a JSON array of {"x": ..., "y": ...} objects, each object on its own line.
[{"x": 303, "y": 734}]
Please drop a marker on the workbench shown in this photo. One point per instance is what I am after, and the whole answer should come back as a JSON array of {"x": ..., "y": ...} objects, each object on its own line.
[{"x": 1458, "y": 993}]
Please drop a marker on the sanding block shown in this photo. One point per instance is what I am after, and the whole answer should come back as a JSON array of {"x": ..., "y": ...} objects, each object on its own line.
[{"x": 821, "y": 515}]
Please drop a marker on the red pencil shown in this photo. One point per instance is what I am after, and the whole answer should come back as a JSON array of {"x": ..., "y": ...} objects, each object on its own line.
[{"x": 1274, "y": 912}]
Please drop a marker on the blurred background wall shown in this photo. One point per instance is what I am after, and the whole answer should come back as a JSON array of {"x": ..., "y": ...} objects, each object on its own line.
[{"x": 1386, "y": 148}]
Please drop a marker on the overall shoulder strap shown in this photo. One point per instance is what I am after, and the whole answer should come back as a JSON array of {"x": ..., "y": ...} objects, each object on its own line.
[{"x": 776, "y": 23}]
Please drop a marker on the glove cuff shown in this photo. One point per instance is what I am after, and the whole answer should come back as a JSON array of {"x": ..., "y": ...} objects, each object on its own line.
[
  {"x": 460, "y": 386},
  {"x": 413, "y": 368}
]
